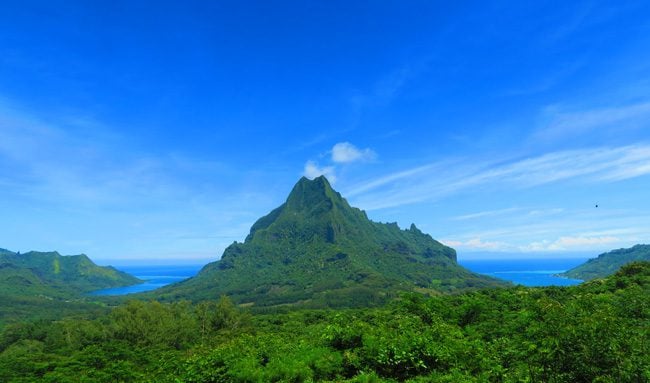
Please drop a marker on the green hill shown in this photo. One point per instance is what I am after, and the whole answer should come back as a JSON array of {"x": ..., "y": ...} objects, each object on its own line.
[
  {"x": 48, "y": 285},
  {"x": 608, "y": 263},
  {"x": 317, "y": 250},
  {"x": 55, "y": 275}
]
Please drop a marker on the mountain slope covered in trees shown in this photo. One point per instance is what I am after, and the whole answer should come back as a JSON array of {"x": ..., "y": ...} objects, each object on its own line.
[
  {"x": 50, "y": 273},
  {"x": 48, "y": 284},
  {"x": 608, "y": 263},
  {"x": 317, "y": 250},
  {"x": 594, "y": 332}
]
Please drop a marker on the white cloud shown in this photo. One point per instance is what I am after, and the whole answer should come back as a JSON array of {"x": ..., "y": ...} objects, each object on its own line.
[
  {"x": 365, "y": 186},
  {"x": 555, "y": 231},
  {"x": 478, "y": 244},
  {"x": 121, "y": 199},
  {"x": 545, "y": 212},
  {"x": 572, "y": 243},
  {"x": 345, "y": 152},
  {"x": 312, "y": 170},
  {"x": 565, "y": 243},
  {"x": 451, "y": 242},
  {"x": 632, "y": 162},
  {"x": 562, "y": 124},
  {"x": 432, "y": 182},
  {"x": 341, "y": 153},
  {"x": 482, "y": 214},
  {"x": 575, "y": 243}
]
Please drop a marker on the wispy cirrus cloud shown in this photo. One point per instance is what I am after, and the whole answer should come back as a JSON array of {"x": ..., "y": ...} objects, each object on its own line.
[
  {"x": 391, "y": 178},
  {"x": 562, "y": 123},
  {"x": 76, "y": 159},
  {"x": 553, "y": 230},
  {"x": 94, "y": 191},
  {"x": 430, "y": 182},
  {"x": 483, "y": 214},
  {"x": 387, "y": 87}
]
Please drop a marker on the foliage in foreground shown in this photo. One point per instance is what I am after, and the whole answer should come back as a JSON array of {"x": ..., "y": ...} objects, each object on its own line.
[{"x": 595, "y": 332}]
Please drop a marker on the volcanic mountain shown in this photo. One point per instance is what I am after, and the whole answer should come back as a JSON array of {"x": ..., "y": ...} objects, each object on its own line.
[{"x": 317, "y": 250}]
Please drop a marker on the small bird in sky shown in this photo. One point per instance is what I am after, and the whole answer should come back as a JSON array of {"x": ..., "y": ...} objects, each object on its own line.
[{"x": 596, "y": 205}]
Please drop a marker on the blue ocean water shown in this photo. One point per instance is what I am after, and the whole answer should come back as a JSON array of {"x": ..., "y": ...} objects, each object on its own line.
[
  {"x": 527, "y": 272},
  {"x": 154, "y": 276}
]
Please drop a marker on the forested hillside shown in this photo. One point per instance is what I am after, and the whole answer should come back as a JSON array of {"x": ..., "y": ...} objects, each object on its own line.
[
  {"x": 48, "y": 284},
  {"x": 595, "y": 332},
  {"x": 315, "y": 250},
  {"x": 608, "y": 263}
]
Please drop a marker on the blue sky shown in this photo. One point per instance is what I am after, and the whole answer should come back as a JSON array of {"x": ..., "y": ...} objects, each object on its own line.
[{"x": 163, "y": 130}]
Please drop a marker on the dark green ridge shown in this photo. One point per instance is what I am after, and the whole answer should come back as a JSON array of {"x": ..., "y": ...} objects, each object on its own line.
[
  {"x": 54, "y": 275},
  {"x": 608, "y": 263},
  {"x": 317, "y": 251},
  {"x": 48, "y": 285}
]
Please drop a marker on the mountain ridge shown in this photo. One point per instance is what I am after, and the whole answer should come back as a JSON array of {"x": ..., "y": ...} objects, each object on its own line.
[
  {"x": 50, "y": 273},
  {"x": 316, "y": 249},
  {"x": 608, "y": 263},
  {"x": 48, "y": 285}
]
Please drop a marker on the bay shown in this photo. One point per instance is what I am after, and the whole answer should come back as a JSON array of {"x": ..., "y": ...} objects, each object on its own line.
[
  {"x": 154, "y": 277},
  {"x": 527, "y": 272}
]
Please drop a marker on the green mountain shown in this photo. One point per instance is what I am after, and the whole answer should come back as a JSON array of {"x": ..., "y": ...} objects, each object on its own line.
[
  {"x": 50, "y": 286},
  {"x": 53, "y": 275},
  {"x": 608, "y": 263},
  {"x": 317, "y": 250}
]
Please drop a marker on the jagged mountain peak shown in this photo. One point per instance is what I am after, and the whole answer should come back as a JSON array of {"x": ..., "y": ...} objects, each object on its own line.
[
  {"x": 317, "y": 250},
  {"x": 314, "y": 207},
  {"x": 307, "y": 194}
]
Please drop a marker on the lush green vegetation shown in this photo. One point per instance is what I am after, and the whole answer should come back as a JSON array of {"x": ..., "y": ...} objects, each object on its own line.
[
  {"x": 608, "y": 263},
  {"x": 49, "y": 285},
  {"x": 317, "y": 251},
  {"x": 50, "y": 273},
  {"x": 310, "y": 255},
  {"x": 595, "y": 332}
]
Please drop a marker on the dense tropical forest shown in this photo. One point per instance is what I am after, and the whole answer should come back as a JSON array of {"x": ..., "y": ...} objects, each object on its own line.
[
  {"x": 286, "y": 189},
  {"x": 595, "y": 332},
  {"x": 47, "y": 285},
  {"x": 608, "y": 263},
  {"x": 56, "y": 275},
  {"x": 318, "y": 292}
]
